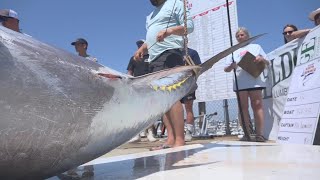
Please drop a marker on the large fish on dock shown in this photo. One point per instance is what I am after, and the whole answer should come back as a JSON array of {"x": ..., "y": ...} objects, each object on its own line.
[{"x": 56, "y": 112}]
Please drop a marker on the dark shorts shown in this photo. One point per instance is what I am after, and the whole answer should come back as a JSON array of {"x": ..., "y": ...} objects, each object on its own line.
[
  {"x": 251, "y": 89},
  {"x": 188, "y": 97},
  {"x": 168, "y": 59}
]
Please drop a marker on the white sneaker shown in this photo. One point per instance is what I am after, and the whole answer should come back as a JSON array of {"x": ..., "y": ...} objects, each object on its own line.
[
  {"x": 135, "y": 139},
  {"x": 189, "y": 132},
  {"x": 73, "y": 173},
  {"x": 143, "y": 134},
  {"x": 188, "y": 136},
  {"x": 150, "y": 136}
]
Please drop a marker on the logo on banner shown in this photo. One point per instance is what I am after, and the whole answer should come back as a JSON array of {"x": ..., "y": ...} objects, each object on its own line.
[
  {"x": 308, "y": 73},
  {"x": 307, "y": 51}
]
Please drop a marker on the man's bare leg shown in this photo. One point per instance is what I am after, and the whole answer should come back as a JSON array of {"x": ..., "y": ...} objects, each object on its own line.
[
  {"x": 177, "y": 122},
  {"x": 189, "y": 111},
  {"x": 170, "y": 136}
]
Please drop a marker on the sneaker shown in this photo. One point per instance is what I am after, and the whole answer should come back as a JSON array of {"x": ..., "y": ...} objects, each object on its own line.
[
  {"x": 135, "y": 139},
  {"x": 188, "y": 136},
  {"x": 143, "y": 134},
  {"x": 150, "y": 136},
  {"x": 72, "y": 173},
  {"x": 189, "y": 132},
  {"x": 87, "y": 174}
]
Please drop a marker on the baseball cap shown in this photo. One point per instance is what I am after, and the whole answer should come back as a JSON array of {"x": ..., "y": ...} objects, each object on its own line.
[
  {"x": 140, "y": 42},
  {"x": 313, "y": 14},
  {"x": 9, "y": 13},
  {"x": 79, "y": 40}
]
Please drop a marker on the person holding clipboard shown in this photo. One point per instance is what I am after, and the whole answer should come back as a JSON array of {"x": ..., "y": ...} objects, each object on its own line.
[{"x": 249, "y": 62}]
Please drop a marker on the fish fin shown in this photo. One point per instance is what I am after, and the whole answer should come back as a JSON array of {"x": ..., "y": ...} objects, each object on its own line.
[{"x": 163, "y": 73}]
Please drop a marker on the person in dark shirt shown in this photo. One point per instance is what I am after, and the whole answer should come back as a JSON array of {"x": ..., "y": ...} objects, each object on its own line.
[
  {"x": 188, "y": 100},
  {"x": 138, "y": 68}
]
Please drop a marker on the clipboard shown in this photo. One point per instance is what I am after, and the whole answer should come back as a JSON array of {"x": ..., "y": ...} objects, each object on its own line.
[{"x": 247, "y": 63}]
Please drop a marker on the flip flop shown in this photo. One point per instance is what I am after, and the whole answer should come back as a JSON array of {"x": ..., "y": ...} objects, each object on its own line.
[
  {"x": 164, "y": 146},
  {"x": 244, "y": 138},
  {"x": 259, "y": 138}
]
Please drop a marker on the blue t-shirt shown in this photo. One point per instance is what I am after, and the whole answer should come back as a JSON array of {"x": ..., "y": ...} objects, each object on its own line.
[
  {"x": 194, "y": 56},
  {"x": 159, "y": 20}
]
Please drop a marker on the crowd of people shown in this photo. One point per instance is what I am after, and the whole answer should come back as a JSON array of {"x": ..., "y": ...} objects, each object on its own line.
[{"x": 163, "y": 48}]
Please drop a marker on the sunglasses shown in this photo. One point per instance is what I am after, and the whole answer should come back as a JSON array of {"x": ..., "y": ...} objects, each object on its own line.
[
  {"x": 287, "y": 32},
  {"x": 3, "y": 19}
]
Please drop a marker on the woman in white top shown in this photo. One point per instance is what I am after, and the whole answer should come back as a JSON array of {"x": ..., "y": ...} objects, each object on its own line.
[{"x": 249, "y": 86}]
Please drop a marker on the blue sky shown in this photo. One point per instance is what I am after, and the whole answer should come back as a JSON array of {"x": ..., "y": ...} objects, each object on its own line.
[{"x": 112, "y": 27}]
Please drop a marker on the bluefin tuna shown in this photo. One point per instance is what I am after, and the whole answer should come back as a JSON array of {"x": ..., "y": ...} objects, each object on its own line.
[{"x": 59, "y": 110}]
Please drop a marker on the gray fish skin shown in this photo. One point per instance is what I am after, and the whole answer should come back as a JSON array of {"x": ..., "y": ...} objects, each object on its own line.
[{"x": 56, "y": 113}]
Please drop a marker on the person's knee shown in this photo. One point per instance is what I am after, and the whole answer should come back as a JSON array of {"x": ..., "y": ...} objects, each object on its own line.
[{"x": 257, "y": 104}]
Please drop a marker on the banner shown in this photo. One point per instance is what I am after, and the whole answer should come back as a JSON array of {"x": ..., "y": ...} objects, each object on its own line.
[
  {"x": 301, "y": 111},
  {"x": 278, "y": 78},
  {"x": 210, "y": 37},
  {"x": 281, "y": 75}
]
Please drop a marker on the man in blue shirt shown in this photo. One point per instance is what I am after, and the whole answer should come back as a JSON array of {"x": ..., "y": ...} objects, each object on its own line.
[{"x": 164, "y": 41}]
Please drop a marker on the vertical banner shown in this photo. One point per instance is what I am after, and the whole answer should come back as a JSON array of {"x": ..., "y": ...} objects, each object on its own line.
[
  {"x": 301, "y": 111},
  {"x": 210, "y": 37},
  {"x": 278, "y": 78}
]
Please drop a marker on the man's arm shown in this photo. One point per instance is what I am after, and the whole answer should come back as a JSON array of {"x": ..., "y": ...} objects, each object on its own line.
[
  {"x": 179, "y": 29},
  {"x": 130, "y": 72},
  {"x": 176, "y": 30},
  {"x": 300, "y": 33},
  {"x": 138, "y": 55}
]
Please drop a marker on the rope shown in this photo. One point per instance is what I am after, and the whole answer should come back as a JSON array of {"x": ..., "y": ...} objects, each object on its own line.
[
  {"x": 185, "y": 34},
  {"x": 186, "y": 57}
]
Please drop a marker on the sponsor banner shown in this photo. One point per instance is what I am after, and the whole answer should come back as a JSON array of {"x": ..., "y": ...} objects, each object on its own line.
[
  {"x": 304, "y": 84},
  {"x": 278, "y": 78},
  {"x": 280, "y": 73}
]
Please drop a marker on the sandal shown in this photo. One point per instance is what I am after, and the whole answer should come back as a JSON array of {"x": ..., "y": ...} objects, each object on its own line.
[
  {"x": 244, "y": 138},
  {"x": 164, "y": 146},
  {"x": 259, "y": 138}
]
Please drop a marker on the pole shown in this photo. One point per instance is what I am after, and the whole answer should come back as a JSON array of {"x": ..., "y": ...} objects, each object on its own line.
[
  {"x": 244, "y": 127},
  {"x": 226, "y": 116}
]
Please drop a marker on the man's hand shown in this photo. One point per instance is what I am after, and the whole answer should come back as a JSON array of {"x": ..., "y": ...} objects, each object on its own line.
[
  {"x": 138, "y": 55},
  {"x": 163, "y": 34}
]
